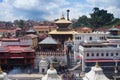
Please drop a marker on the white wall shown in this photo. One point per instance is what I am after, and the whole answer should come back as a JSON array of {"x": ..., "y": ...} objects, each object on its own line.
[
  {"x": 9, "y": 43},
  {"x": 100, "y": 51},
  {"x": 26, "y": 42},
  {"x": 85, "y": 37}
]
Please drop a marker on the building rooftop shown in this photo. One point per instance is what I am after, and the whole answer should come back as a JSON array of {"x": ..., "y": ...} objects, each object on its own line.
[
  {"x": 49, "y": 40},
  {"x": 32, "y": 35},
  {"x": 40, "y": 27},
  {"x": 15, "y": 49},
  {"x": 62, "y": 20},
  {"x": 9, "y": 39}
]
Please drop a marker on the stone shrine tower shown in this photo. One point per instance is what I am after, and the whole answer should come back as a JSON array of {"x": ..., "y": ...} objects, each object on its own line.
[{"x": 43, "y": 65}]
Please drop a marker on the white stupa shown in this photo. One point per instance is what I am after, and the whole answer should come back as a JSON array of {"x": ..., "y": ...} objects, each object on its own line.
[
  {"x": 3, "y": 75},
  {"x": 51, "y": 74},
  {"x": 96, "y": 73}
]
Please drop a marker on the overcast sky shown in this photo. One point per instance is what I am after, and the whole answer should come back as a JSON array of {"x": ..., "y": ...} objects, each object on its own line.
[{"x": 52, "y": 9}]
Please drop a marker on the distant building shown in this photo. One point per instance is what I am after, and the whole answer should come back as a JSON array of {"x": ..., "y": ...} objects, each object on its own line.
[
  {"x": 41, "y": 30},
  {"x": 34, "y": 40},
  {"x": 84, "y": 30}
]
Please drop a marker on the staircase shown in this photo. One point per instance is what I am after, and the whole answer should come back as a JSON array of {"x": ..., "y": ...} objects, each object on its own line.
[{"x": 72, "y": 61}]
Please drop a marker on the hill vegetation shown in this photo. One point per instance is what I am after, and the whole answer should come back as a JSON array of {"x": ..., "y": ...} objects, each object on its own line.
[{"x": 98, "y": 18}]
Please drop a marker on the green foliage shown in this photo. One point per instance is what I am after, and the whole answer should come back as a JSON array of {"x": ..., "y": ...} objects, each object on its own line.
[
  {"x": 21, "y": 23},
  {"x": 100, "y": 17},
  {"x": 82, "y": 21}
]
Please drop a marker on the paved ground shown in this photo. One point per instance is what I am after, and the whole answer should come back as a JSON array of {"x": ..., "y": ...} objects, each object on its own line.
[{"x": 25, "y": 76}]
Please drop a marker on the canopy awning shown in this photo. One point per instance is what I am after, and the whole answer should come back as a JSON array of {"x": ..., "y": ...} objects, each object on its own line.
[{"x": 16, "y": 57}]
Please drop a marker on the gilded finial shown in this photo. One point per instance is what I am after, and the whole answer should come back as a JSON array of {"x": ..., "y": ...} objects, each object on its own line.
[
  {"x": 0, "y": 70},
  {"x": 62, "y": 17},
  {"x": 97, "y": 65},
  {"x": 113, "y": 26},
  {"x": 69, "y": 39},
  {"x": 51, "y": 67}
]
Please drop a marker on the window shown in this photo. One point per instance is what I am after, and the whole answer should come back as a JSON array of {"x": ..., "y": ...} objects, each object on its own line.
[
  {"x": 46, "y": 31},
  {"x": 111, "y": 54},
  {"x": 102, "y": 38},
  {"x": 102, "y": 54},
  {"x": 97, "y": 54},
  {"x": 87, "y": 54},
  {"x": 90, "y": 38},
  {"x": 39, "y": 31},
  {"x": 116, "y": 54},
  {"x": 43, "y": 70},
  {"x": 107, "y": 54},
  {"x": 77, "y": 38},
  {"x": 92, "y": 54}
]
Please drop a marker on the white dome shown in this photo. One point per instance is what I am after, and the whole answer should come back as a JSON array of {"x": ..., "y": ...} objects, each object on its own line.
[
  {"x": 3, "y": 76},
  {"x": 51, "y": 74},
  {"x": 51, "y": 71}
]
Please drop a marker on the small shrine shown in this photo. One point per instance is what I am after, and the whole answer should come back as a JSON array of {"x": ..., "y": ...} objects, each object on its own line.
[{"x": 43, "y": 65}]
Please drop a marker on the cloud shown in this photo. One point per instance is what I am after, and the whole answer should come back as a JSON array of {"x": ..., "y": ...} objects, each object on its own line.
[
  {"x": 52, "y": 9},
  {"x": 112, "y": 6},
  {"x": 29, "y": 9}
]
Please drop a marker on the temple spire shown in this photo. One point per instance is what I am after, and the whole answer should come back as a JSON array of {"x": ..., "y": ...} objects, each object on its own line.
[
  {"x": 62, "y": 17},
  {"x": 69, "y": 39},
  {"x": 97, "y": 65},
  {"x": 51, "y": 67}
]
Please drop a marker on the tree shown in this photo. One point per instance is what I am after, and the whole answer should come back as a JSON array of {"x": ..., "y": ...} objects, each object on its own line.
[
  {"x": 100, "y": 17},
  {"x": 82, "y": 21},
  {"x": 21, "y": 23}
]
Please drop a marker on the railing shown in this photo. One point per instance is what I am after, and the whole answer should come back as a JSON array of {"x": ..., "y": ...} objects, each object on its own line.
[{"x": 50, "y": 53}]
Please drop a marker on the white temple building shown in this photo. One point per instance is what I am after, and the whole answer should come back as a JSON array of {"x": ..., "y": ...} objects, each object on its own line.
[
  {"x": 3, "y": 75},
  {"x": 51, "y": 74},
  {"x": 96, "y": 73}
]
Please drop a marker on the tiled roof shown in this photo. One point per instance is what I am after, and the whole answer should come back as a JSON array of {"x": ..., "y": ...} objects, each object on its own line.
[
  {"x": 62, "y": 32},
  {"x": 83, "y": 28},
  {"x": 31, "y": 30},
  {"x": 32, "y": 35},
  {"x": 16, "y": 49},
  {"x": 4, "y": 30},
  {"x": 116, "y": 29},
  {"x": 9, "y": 39},
  {"x": 62, "y": 20},
  {"x": 49, "y": 40}
]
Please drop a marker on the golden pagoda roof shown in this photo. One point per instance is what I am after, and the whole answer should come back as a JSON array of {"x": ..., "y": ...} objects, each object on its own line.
[
  {"x": 62, "y": 20},
  {"x": 62, "y": 32}
]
